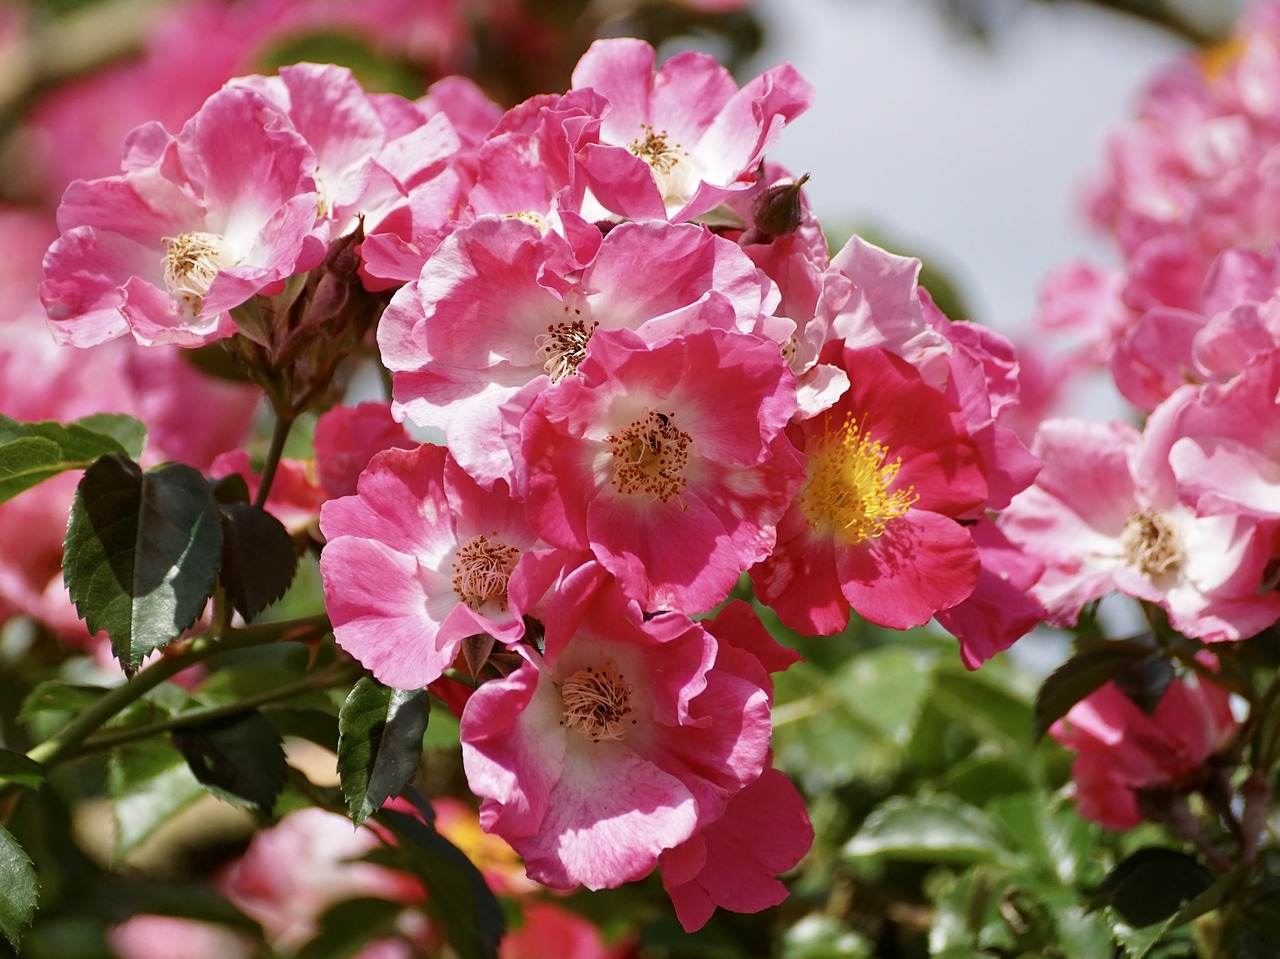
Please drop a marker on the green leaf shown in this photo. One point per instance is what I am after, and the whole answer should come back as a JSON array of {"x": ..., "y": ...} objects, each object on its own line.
[
  {"x": 238, "y": 758},
  {"x": 18, "y": 889},
  {"x": 142, "y": 553},
  {"x": 150, "y": 783},
  {"x": 258, "y": 559},
  {"x": 52, "y": 704},
  {"x": 932, "y": 829},
  {"x": 380, "y": 745},
  {"x": 131, "y": 434},
  {"x": 349, "y": 925},
  {"x": 1080, "y": 675},
  {"x": 313, "y": 725},
  {"x": 31, "y": 453},
  {"x": 1152, "y": 885},
  {"x": 19, "y": 769},
  {"x": 457, "y": 895}
]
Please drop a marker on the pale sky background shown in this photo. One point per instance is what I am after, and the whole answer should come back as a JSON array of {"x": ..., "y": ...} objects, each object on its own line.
[{"x": 970, "y": 157}]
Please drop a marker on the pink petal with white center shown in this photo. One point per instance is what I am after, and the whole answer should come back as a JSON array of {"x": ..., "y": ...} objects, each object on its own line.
[
  {"x": 677, "y": 536},
  {"x": 388, "y": 612},
  {"x": 510, "y": 752},
  {"x": 449, "y": 549},
  {"x": 600, "y": 836}
]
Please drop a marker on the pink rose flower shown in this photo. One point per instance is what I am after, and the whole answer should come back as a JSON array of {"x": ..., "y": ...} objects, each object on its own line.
[
  {"x": 418, "y": 560},
  {"x": 195, "y": 225},
  {"x": 1121, "y": 751},
  {"x": 668, "y": 462},
  {"x": 889, "y": 469},
  {"x": 621, "y": 742}
]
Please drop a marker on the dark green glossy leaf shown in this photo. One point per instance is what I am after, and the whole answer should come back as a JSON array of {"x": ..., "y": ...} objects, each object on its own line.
[
  {"x": 1152, "y": 885},
  {"x": 238, "y": 759},
  {"x": 19, "y": 890},
  {"x": 1145, "y": 680},
  {"x": 313, "y": 725},
  {"x": 142, "y": 553},
  {"x": 1087, "y": 670},
  {"x": 457, "y": 895},
  {"x": 258, "y": 560},
  {"x": 933, "y": 829},
  {"x": 380, "y": 745},
  {"x": 150, "y": 783},
  {"x": 349, "y": 925},
  {"x": 30, "y": 453},
  {"x": 19, "y": 769}
]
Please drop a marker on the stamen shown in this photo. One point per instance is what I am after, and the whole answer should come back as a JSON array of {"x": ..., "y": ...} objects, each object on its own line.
[
  {"x": 650, "y": 455},
  {"x": 191, "y": 262},
  {"x": 597, "y": 701},
  {"x": 481, "y": 568},
  {"x": 564, "y": 346},
  {"x": 1151, "y": 544},
  {"x": 669, "y": 164},
  {"x": 848, "y": 489}
]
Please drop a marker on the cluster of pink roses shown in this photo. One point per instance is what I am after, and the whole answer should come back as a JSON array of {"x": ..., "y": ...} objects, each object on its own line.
[
  {"x": 650, "y": 378},
  {"x": 1182, "y": 514}
]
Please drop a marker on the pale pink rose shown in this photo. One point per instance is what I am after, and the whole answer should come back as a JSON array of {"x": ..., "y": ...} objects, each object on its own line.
[
  {"x": 294, "y": 871},
  {"x": 1122, "y": 751},
  {"x": 418, "y": 560},
  {"x": 678, "y": 142},
  {"x": 624, "y": 740},
  {"x": 1105, "y": 515},
  {"x": 668, "y": 462},
  {"x": 195, "y": 226},
  {"x": 163, "y": 937}
]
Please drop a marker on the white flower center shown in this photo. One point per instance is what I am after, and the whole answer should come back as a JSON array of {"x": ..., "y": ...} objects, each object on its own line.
[
  {"x": 191, "y": 261},
  {"x": 564, "y": 345},
  {"x": 1151, "y": 544},
  {"x": 598, "y": 702},
  {"x": 670, "y": 165},
  {"x": 481, "y": 568}
]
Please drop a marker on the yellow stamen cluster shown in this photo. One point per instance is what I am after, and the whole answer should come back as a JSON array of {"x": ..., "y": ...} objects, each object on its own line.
[
  {"x": 849, "y": 490},
  {"x": 650, "y": 456},
  {"x": 481, "y": 568},
  {"x": 191, "y": 261},
  {"x": 597, "y": 701},
  {"x": 1151, "y": 544}
]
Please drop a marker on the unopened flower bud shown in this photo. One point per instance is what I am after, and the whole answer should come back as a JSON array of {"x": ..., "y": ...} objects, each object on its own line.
[{"x": 777, "y": 211}]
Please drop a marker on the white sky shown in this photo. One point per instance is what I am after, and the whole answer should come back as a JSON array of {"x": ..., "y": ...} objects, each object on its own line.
[{"x": 971, "y": 158}]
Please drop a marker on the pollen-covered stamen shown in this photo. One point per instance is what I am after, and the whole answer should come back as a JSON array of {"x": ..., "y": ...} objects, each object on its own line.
[
  {"x": 656, "y": 150},
  {"x": 1151, "y": 544},
  {"x": 669, "y": 164},
  {"x": 791, "y": 352},
  {"x": 191, "y": 262},
  {"x": 650, "y": 456},
  {"x": 597, "y": 701},
  {"x": 564, "y": 346},
  {"x": 481, "y": 568},
  {"x": 531, "y": 218},
  {"x": 849, "y": 489}
]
